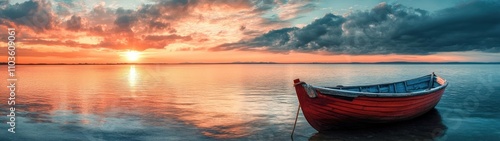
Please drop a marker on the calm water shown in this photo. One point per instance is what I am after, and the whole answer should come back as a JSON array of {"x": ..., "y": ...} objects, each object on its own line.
[{"x": 230, "y": 102}]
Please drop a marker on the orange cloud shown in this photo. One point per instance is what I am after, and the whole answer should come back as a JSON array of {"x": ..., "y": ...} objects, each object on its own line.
[{"x": 170, "y": 31}]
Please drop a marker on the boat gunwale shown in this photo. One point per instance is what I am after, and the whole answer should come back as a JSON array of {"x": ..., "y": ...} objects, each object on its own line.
[{"x": 348, "y": 93}]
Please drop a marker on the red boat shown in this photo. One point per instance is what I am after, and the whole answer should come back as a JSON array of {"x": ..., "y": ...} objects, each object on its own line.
[{"x": 340, "y": 107}]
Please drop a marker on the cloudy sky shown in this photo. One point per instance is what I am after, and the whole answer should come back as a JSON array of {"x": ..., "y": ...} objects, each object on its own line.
[{"x": 176, "y": 31}]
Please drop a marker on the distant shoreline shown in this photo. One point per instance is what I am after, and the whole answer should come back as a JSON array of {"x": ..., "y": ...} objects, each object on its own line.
[{"x": 188, "y": 63}]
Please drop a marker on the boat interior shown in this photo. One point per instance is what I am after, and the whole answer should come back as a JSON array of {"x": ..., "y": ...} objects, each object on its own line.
[{"x": 413, "y": 85}]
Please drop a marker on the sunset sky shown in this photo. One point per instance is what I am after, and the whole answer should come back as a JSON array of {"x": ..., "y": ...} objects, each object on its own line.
[{"x": 220, "y": 31}]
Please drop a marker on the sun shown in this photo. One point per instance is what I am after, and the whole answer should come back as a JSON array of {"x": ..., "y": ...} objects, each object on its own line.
[{"x": 132, "y": 55}]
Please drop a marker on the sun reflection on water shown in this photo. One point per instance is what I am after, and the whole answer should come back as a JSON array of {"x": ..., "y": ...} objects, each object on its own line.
[{"x": 132, "y": 76}]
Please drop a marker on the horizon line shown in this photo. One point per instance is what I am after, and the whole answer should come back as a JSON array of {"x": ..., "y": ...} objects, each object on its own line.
[{"x": 194, "y": 63}]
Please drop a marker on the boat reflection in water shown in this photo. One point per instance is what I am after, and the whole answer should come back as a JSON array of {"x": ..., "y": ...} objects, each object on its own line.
[{"x": 426, "y": 127}]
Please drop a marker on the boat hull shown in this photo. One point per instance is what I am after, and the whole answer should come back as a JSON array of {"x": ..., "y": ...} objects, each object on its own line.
[{"x": 327, "y": 112}]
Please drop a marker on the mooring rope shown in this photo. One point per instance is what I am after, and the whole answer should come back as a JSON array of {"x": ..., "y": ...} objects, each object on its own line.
[{"x": 296, "y": 117}]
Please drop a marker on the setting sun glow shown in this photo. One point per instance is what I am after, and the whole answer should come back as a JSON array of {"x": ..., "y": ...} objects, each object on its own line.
[{"x": 132, "y": 55}]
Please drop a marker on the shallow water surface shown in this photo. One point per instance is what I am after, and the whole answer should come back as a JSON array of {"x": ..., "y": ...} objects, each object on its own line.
[{"x": 231, "y": 102}]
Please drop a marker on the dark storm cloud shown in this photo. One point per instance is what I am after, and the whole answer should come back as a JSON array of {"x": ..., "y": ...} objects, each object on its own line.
[
  {"x": 154, "y": 25},
  {"x": 34, "y": 14},
  {"x": 389, "y": 29},
  {"x": 4, "y": 3},
  {"x": 125, "y": 19},
  {"x": 75, "y": 23}
]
